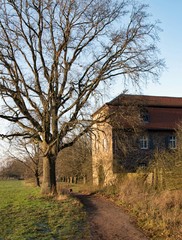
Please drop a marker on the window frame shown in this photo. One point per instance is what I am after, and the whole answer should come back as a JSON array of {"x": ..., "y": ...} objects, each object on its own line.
[
  {"x": 172, "y": 142},
  {"x": 96, "y": 145},
  {"x": 144, "y": 143},
  {"x": 105, "y": 144},
  {"x": 144, "y": 114}
]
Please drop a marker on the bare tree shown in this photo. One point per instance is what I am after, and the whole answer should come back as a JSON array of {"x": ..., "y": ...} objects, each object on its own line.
[
  {"x": 12, "y": 169},
  {"x": 54, "y": 57},
  {"x": 29, "y": 154}
]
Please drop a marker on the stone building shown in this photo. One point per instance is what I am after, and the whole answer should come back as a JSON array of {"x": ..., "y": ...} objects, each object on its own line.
[{"x": 129, "y": 129}]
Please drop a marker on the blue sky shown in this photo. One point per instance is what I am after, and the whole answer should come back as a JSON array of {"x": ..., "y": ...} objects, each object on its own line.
[{"x": 170, "y": 15}]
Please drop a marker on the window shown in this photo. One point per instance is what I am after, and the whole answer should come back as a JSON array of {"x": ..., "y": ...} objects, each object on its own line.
[
  {"x": 144, "y": 115},
  {"x": 142, "y": 165},
  {"x": 144, "y": 142},
  {"x": 96, "y": 145},
  {"x": 115, "y": 145},
  {"x": 105, "y": 145},
  {"x": 172, "y": 142}
]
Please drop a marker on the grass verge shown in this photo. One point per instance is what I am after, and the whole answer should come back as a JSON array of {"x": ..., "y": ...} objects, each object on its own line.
[
  {"x": 27, "y": 215},
  {"x": 158, "y": 213}
]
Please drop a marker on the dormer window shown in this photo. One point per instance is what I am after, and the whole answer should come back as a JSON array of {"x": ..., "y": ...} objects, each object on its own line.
[{"x": 144, "y": 115}]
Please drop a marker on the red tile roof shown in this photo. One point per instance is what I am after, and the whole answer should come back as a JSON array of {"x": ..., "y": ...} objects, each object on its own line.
[
  {"x": 164, "y": 112},
  {"x": 164, "y": 118},
  {"x": 148, "y": 100}
]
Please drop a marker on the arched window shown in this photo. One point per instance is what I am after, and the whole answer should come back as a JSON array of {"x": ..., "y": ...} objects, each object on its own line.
[{"x": 105, "y": 144}]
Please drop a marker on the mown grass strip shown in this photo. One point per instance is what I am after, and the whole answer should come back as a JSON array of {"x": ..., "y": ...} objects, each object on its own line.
[{"x": 26, "y": 215}]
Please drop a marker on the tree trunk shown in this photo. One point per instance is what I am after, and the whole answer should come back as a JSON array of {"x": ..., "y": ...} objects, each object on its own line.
[
  {"x": 49, "y": 175},
  {"x": 37, "y": 178}
]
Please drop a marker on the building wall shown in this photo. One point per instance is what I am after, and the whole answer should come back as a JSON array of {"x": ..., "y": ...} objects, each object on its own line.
[
  {"x": 102, "y": 154},
  {"x": 134, "y": 156}
]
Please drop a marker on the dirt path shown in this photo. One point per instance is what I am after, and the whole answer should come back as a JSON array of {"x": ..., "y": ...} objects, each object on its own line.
[{"x": 108, "y": 221}]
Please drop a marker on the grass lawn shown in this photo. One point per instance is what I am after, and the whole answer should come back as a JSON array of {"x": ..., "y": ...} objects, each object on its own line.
[{"x": 26, "y": 215}]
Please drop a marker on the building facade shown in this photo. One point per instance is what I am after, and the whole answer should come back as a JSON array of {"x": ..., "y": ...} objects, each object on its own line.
[{"x": 129, "y": 129}]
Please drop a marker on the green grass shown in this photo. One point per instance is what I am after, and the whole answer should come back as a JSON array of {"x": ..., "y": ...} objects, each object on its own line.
[{"x": 26, "y": 215}]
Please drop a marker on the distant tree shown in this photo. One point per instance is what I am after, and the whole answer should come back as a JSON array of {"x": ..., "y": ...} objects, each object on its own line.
[
  {"x": 55, "y": 55},
  {"x": 12, "y": 170},
  {"x": 29, "y": 154},
  {"x": 75, "y": 162}
]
